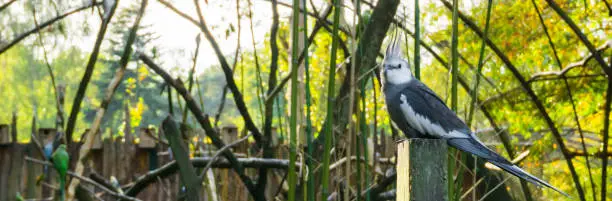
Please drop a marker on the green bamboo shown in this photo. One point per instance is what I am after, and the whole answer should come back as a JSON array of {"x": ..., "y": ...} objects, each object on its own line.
[
  {"x": 364, "y": 136},
  {"x": 200, "y": 96},
  {"x": 279, "y": 114},
  {"x": 358, "y": 154},
  {"x": 454, "y": 68},
  {"x": 259, "y": 86},
  {"x": 330, "y": 101},
  {"x": 454, "y": 56},
  {"x": 310, "y": 190},
  {"x": 292, "y": 177},
  {"x": 417, "y": 40},
  {"x": 480, "y": 64}
]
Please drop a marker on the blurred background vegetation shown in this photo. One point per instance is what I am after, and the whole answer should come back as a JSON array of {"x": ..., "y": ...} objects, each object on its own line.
[{"x": 515, "y": 29}]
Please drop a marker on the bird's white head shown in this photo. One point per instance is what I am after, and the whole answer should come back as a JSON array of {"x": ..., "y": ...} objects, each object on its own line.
[{"x": 396, "y": 70}]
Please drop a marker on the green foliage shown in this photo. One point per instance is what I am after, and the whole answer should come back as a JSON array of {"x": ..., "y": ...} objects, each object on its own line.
[{"x": 514, "y": 27}]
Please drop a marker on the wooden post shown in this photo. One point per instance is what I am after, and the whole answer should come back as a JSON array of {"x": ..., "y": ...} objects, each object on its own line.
[
  {"x": 421, "y": 170},
  {"x": 229, "y": 134},
  {"x": 5, "y": 137}
]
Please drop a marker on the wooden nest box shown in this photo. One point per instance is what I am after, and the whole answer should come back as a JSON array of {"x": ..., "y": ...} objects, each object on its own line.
[{"x": 46, "y": 135}]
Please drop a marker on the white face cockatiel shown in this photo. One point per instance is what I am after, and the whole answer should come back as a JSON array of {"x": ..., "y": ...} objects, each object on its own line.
[{"x": 419, "y": 113}]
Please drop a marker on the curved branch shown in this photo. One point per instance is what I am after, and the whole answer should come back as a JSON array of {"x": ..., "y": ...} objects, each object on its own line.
[
  {"x": 22, "y": 36},
  {"x": 571, "y": 66},
  {"x": 554, "y": 75},
  {"x": 93, "y": 57},
  {"x": 203, "y": 120},
  {"x": 582, "y": 37},
  {"x": 268, "y": 152},
  {"x": 5, "y": 5},
  {"x": 534, "y": 98},
  {"x": 90, "y": 136},
  {"x": 227, "y": 70}
]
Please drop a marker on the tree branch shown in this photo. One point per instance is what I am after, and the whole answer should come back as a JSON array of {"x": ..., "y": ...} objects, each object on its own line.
[
  {"x": 582, "y": 37},
  {"x": 219, "y": 152},
  {"x": 534, "y": 98},
  {"x": 110, "y": 90},
  {"x": 554, "y": 75},
  {"x": 5, "y": 5},
  {"x": 170, "y": 168},
  {"x": 22, "y": 36},
  {"x": 570, "y": 96},
  {"x": 268, "y": 152},
  {"x": 229, "y": 74},
  {"x": 571, "y": 66},
  {"x": 203, "y": 120},
  {"x": 91, "y": 63},
  {"x": 87, "y": 180}
]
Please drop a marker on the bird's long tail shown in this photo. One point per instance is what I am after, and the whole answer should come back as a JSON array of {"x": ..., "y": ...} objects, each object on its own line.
[
  {"x": 62, "y": 190},
  {"x": 473, "y": 146}
]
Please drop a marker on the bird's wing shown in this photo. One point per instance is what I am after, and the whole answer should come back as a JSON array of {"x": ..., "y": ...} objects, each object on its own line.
[
  {"x": 426, "y": 112},
  {"x": 60, "y": 160}
]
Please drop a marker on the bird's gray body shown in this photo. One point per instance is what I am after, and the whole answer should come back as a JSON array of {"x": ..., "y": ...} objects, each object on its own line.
[
  {"x": 419, "y": 113},
  {"x": 417, "y": 99}
]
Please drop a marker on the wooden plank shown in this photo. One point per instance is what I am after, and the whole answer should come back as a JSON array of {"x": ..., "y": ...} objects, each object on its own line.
[
  {"x": 33, "y": 171},
  {"x": 15, "y": 174},
  {"x": 421, "y": 170},
  {"x": 5, "y": 167},
  {"x": 108, "y": 158},
  {"x": 140, "y": 166}
]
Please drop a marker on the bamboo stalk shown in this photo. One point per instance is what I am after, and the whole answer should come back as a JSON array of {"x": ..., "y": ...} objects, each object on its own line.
[
  {"x": 310, "y": 187},
  {"x": 417, "y": 40},
  {"x": 292, "y": 174},
  {"x": 454, "y": 68},
  {"x": 330, "y": 101}
]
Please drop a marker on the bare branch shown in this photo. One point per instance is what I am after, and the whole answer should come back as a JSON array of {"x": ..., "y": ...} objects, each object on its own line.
[
  {"x": 170, "y": 168},
  {"x": 93, "y": 57},
  {"x": 112, "y": 87},
  {"x": 582, "y": 37},
  {"x": 22, "y": 36},
  {"x": 203, "y": 120},
  {"x": 5, "y": 5},
  {"x": 219, "y": 152},
  {"x": 85, "y": 179},
  {"x": 268, "y": 152},
  {"x": 534, "y": 98},
  {"x": 229, "y": 74},
  {"x": 569, "y": 67}
]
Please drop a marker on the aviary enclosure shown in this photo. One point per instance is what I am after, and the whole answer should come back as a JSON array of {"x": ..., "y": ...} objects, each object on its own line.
[{"x": 281, "y": 100}]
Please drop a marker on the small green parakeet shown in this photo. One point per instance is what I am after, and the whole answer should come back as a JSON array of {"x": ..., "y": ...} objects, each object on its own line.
[
  {"x": 18, "y": 197},
  {"x": 60, "y": 163}
]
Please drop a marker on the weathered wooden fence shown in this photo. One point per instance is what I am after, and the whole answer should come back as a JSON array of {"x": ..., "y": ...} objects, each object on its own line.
[{"x": 127, "y": 159}]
